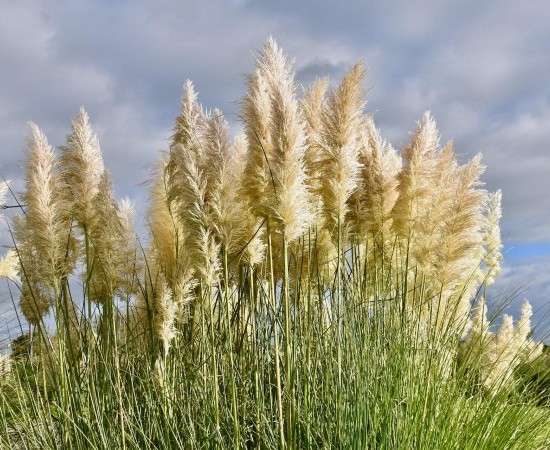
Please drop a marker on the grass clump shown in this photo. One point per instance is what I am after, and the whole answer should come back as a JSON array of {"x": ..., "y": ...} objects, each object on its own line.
[{"x": 304, "y": 285}]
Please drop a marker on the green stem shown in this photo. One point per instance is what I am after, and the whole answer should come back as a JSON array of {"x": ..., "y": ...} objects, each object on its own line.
[
  {"x": 288, "y": 347},
  {"x": 272, "y": 296},
  {"x": 236, "y": 436}
]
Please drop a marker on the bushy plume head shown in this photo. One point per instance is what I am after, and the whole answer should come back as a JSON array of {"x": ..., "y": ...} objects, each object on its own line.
[
  {"x": 338, "y": 162},
  {"x": 224, "y": 167},
  {"x": 275, "y": 179},
  {"x": 164, "y": 314},
  {"x": 104, "y": 236},
  {"x": 417, "y": 178},
  {"x": 190, "y": 123},
  {"x": 256, "y": 116},
  {"x": 166, "y": 236},
  {"x": 313, "y": 104},
  {"x": 9, "y": 265},
  {"x": 505, "y": 356},
  {"x": 376, "y": 193},
  {"x": 114, "y": 246},
  {"x": 289, "y": 203},
  {"x": 82, "y": 168},
  {"x": 46, "y": 209},
  {"x": 527, "y": 348},
  {"x": 491, "y": 236},
  {"x": 251, "y": 245},
  {"x": 168, "y": 255},
  {"x": 459, "y": 239}
]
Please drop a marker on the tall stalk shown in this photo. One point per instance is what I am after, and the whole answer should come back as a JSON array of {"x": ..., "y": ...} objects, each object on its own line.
[
  {"x": 236, "y": 433},
  {"x": 273, "y": 302},
  {"x": 288, "y": 349}
]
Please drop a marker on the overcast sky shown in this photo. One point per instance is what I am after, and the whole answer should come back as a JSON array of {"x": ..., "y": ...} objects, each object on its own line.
[{"x": 480, "y": 67}]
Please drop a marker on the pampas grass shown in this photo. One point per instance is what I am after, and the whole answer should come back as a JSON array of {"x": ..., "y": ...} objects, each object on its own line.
[{"x": 303, "y": 285}]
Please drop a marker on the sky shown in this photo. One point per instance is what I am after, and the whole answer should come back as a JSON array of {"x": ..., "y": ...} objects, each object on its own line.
[{"x": 481, "y": 68}]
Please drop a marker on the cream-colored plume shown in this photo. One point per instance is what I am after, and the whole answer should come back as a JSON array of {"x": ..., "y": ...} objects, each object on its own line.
[
  {"x": 492, "y": 240},
  {"x": 527, "y": 348},
  {"x": 226, "y": 209},
  {"x": 46, "y": 223},
  {"x": 191, "y": 123},
  {"x": 167, "y": 252},
  {"x": 275, "y": 128},
  {"x": 114, "y": 246},
  {"x": 313, "y": 104},
  {"x": 82, "y": 168},
  {"x": 289, "y": 204},
  {"x": 373, "y": 200},
  {"x": 338, "y": 162},
  {"x": 256, "y": 116},
  {"x": 165, "y": 309},
  {"x": 9, "y": 265},
  {"x": 417, "y": 178}
]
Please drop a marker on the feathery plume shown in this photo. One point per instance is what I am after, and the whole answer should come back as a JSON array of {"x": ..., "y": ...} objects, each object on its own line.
[
  {"x": 223, "y": 173},
  {"x": 106, "y": 239},
  {"x": 416, "y": 178},
  {"x": 458, "y": 242},
  {"x": 167, "y": 251},
  {"x": 128, "y": 250},
  {"x": 338, "y": 162},
  {"x": 164, "y": 314},
  {"x": 252, "y": 228},
  {"x": 527, "y": 348},
  {"x": 256, "y": 113},
  {"x": 190, "y": 124},
  {"x": 274, "y": 177},
  {"x": 373, "y": 200},
  {"x": 82, "y": 168},
  {"x": 9, "y": 265},
  {"x": 47, "y": 229},
  {"x": 492, "y": 241},
  {"x": 504, "y": 355},
  {"x": 289, "y": 203},
  {"x": 187, "y": 184},
  {"x": 313, "y": 104}
]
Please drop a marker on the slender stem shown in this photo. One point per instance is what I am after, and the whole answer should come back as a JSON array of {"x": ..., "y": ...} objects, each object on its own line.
[
  {"x": 272, "y": 296},
  {"x": 288, "y": 347},
  {"x": 236, "y": 436}
]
